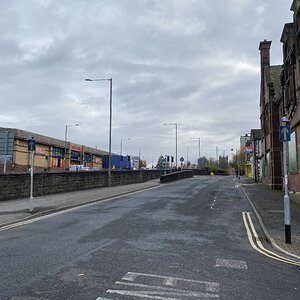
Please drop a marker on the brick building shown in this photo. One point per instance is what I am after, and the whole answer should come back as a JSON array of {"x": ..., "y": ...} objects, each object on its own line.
[
  {"x": 270, "y": 94},
  {"x": 290, "y": 80},
  {"x": 49, "y": 153}
]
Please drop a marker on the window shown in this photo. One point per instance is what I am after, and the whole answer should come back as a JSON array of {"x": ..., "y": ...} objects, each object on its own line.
[
  {"x": 58, "y": 152},
  {"x": 75, "y": 155},
  {"x": 87, "y": 157}
]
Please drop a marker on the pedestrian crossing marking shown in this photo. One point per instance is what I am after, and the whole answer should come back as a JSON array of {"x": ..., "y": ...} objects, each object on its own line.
[{"x": 159, "y": 287}]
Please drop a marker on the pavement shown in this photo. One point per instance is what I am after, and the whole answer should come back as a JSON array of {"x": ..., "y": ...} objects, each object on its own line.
[{"x": 267, "y": 205}]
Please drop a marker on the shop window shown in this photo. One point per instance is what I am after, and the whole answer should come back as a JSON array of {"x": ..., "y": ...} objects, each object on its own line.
[
  {"x": 88, "y": 158},
  {"x": 75, "y": 155},
  {"x": 57, "y": 163},
  {"x": 58, "y": 152}
]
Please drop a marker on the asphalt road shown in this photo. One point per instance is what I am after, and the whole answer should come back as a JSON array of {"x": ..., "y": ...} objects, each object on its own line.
[{"x": 185, "y": 240}]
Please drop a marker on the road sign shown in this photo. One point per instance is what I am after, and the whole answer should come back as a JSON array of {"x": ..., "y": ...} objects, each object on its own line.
[
  {"x": 31, "y": 145},
  {"x": 181, "y": 159},
  {"x": 285, "y": 133}
]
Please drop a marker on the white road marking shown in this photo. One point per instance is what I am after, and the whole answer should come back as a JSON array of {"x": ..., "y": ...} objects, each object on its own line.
[
  {"x": 159, "y": 295},
  {"x": 166, "y": 292},
  {"x": 148, "y": 286},
  {"x": 170, "y": 281},
  {"x": 209, "y": 286},
  {"x": 100, "y": 298},
  {"x": 212, "y": 287},
  {"x": 230, "y": 263},
  {"x": 215, "y": 199},
  {"x": 129, "y": 277}
]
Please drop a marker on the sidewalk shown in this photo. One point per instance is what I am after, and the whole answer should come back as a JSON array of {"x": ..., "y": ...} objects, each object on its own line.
[
  {"x": 12, "y": 211},
  {"x": 270, "y": 208}
]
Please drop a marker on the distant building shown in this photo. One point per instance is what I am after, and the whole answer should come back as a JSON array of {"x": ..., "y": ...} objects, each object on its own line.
[
  {"x": 244, "y": 139},
  {"x": 255, "y": 159},
  {"x": 50, "y": 154},
  {"x": 135, "y": 160}
]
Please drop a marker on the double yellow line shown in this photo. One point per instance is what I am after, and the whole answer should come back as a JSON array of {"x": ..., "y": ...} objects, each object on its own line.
[{"x": 258, "y": 246}]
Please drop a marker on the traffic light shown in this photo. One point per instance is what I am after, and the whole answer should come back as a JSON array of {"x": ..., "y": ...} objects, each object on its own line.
[{"x": 172, "y": 159}]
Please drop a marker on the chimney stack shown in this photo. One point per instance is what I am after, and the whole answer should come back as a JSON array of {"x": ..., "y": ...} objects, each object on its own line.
[{"x": 264, "y": 48}]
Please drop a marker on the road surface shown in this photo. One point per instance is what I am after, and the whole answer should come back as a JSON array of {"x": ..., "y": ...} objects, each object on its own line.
[{"x": 185, "y": 240}]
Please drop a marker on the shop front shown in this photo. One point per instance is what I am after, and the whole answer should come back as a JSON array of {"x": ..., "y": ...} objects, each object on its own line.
[
  {"x": 88, "y": 160},
  {"x": 76, "y": 155},
  {"x": 57, "y": 158}
]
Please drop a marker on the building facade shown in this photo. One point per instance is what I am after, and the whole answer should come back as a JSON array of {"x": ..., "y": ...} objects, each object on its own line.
[
  {"x": 50, "y": 154},
  {"x": 290, "y": 81},
  {"x": 270, "y": 94}
]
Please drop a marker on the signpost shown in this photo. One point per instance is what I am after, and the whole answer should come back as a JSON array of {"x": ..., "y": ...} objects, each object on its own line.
[
  {"x": 285, "y": 133},
  {"x": 285, "y": 137},
  {"x": 31, "y": 148}
]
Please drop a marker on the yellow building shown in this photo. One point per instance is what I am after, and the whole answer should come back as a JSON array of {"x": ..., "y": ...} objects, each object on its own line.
[{"x": 49, "y": 153}]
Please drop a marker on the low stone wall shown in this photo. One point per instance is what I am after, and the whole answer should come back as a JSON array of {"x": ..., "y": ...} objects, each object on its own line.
[
  {"x": 176, "y": 176},
  {"x": 14, "y": 186},
  {"x": 201, "y": 172}
]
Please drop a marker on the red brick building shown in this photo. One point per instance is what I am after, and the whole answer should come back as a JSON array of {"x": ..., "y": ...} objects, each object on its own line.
[
  {"x": 290, "y": 79},
  {"x": 270, "y": 94}
]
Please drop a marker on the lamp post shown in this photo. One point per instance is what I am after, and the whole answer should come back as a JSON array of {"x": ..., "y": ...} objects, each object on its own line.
[
  {"x": 66, "y": 136},
  {"x": 139, "y": 158},
  {"x": 284, "y": 138},
  {"x": 198, "y": 150},
  {"x": 110, "y": 123},
  {"x": 176, "y": 125},
  {"x": 122, "y": 145}
]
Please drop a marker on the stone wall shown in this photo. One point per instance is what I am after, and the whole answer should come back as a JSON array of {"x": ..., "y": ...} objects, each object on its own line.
[
  {"x": 176, "y": 176},
  {"x": 14, "y": 186}
]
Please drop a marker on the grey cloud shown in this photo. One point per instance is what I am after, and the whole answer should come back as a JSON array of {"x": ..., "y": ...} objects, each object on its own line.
[{"x": 171, "y": 61}]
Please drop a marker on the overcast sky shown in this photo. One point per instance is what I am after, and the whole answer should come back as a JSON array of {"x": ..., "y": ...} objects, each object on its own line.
[{"x": 191, "y": 62}]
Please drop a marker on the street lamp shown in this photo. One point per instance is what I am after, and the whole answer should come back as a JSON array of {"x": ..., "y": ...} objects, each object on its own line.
[
  {"x": 175, "y": 124},
  {"x": 110, "y": 123},
  {"x": 198, "y": 150},
  {"x": 66, "y": 135},
  {"x": 122, "y": 145}
]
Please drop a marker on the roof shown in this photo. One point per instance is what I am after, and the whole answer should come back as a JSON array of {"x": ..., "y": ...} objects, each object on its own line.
[
  {"x": 287, "y": 31},
  {"x": 295, "y": 5},
  {"x": 256, "y": 134}
]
